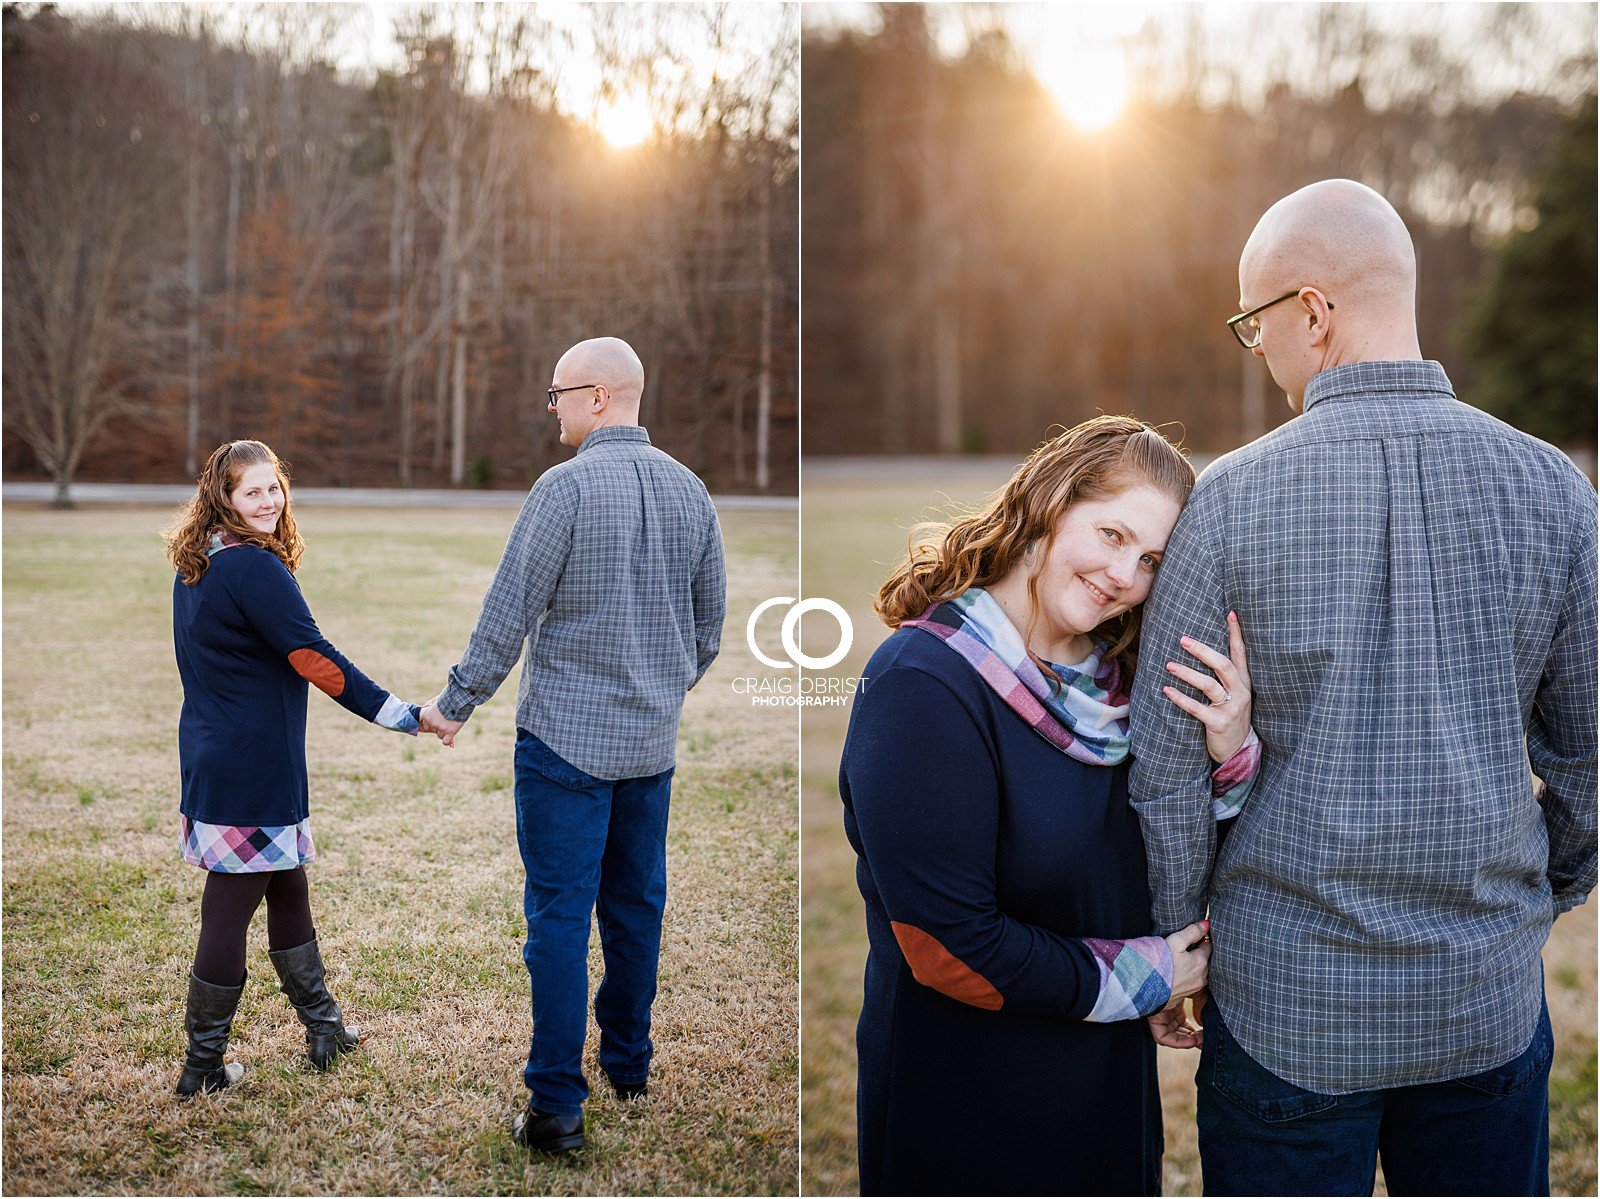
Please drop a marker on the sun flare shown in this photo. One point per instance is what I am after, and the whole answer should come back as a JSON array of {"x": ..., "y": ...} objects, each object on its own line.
[
  {"x": 624, "y": 121},
  {"x": 1090, "y": 85}
]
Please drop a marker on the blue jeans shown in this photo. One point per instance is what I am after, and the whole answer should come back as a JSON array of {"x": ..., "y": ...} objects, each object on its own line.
[
  {"x": 1486, "y": 1134},
  {"x": 588, "y": 845}
]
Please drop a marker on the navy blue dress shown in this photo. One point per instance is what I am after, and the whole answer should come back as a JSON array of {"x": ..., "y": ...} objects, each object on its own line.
[
  {"x": 983, "y": 853},
  {"x": 247, "y": 647}
]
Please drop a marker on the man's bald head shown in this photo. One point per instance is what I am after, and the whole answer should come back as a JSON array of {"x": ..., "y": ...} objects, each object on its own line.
[
  {"x": 1340, "y": 236},
  {"x": 610, "y": 362},
  {"x": 599, "y": 383},
  {"x": 1344, "y": 249}
]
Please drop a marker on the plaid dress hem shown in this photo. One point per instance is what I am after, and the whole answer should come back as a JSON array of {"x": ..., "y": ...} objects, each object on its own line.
[{"x": 246, "y": 849}]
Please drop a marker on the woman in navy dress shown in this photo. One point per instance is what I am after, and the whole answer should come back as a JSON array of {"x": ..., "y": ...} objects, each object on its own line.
[
  {"x": 1002, "y": 1043},
  {"x": 247, "y": 647}
]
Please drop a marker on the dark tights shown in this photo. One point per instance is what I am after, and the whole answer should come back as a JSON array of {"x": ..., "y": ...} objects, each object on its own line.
[{"x": 230, "y": 900}]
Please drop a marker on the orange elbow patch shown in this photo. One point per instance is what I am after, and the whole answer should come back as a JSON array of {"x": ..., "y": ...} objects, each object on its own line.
[
  {"x": 934, "y": 966},
  {"x": 322, "y": 673}
]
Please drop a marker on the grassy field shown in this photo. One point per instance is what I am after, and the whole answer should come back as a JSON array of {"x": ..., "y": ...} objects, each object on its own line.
[
  {"x": 417, "y": 894},
  {"x": 854, "y": 530}
]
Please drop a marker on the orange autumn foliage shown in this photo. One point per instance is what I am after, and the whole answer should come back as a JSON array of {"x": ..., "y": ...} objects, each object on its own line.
[{"x": 272, "y": 356}]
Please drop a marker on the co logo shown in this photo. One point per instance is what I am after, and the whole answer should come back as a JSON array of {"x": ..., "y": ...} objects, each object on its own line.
[{"x": 791, "y": 623}]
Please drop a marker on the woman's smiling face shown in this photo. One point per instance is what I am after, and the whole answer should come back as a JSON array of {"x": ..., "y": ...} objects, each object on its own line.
[
  {"x": 1100, "y": 565},
  {"x": 258, "y": 497}
]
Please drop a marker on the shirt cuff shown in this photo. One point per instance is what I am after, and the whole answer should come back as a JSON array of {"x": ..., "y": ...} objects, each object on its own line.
[
  {"x": 1233, "y": 780},
  {"x": 1135, "y": 977},
  {"x": 398, "y": 715},
  {"x": 1565, "y": 901},
  {"x": 455, "y": 702}
]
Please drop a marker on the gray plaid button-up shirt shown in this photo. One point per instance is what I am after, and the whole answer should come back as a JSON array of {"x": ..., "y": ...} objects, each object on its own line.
[
  {"x": 613, "y": 575},
  {"x": 1416, "y": 582}
]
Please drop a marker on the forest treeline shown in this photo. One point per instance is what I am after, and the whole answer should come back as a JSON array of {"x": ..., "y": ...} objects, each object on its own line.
[
  {"x": 977, "y": 269},
  {"x": 214, "y": 232}
]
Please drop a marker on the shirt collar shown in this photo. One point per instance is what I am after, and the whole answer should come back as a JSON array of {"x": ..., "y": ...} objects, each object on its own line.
[
  {"x": 1365, "y": 378},
  {"x": 616, "y": 433},
  {"x": 221, "y": 540}
]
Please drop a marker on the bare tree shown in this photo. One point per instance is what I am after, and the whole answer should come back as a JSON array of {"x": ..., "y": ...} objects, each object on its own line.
[
  {"x": 405, "y": 104},
  {"x": 89, "y": 176},
  {"x": 369, "y": 268},
  {"x": 197, "y": 103}
]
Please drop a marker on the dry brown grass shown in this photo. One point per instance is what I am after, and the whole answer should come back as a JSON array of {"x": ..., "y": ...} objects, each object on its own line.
[
  {"x": 853, "y": 531},
  {"x": 417, "y": 894}
]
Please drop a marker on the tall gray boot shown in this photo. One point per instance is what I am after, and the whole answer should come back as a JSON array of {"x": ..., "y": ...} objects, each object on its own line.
[
  {"x": 208, "y": 1021},
  {"x": 300, "y": 971}
]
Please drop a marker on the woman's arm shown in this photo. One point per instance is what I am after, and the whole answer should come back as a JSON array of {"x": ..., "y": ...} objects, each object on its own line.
[
  {"x": 271, "y": 601},
  {"x": 925, "y": 795}
]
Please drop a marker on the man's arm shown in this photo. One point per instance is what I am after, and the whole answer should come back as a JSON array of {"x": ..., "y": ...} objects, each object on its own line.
[
  {"x": 1561, "y": 730},
  {"x": 710, "y": 588},
  {"x": 523, "y": 586},
  {"x": 1170, "y": 783}
]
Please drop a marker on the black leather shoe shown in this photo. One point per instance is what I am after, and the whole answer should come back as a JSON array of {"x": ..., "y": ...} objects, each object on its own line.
[
  {"x": 628, "y": 1092},
  {"x": 546, "y": 1133}
]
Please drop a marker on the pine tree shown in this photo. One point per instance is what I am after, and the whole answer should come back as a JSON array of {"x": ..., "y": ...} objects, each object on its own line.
[{"x": 1529, "y": 327}]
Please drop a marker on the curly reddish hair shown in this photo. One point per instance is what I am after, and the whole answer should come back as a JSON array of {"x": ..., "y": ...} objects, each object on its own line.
[
  {"x": 1090, "y": 461},
  {"x": 209, "y": 511}
]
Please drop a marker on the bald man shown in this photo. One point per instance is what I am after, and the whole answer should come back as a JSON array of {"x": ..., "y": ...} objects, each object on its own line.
[
  {"x": 613, "y": 576},
  {"x": 1416, "y": 583}
]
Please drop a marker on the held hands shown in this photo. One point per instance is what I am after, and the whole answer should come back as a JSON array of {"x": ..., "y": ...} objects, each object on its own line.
[
  {"x": 432, "y": 722},
  {"x": 1227, "y": 717},
  {"x": 1176, "y": 1029},
  {"x": 1191, "y": 959}
]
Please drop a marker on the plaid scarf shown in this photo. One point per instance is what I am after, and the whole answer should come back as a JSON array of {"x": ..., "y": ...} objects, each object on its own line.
[
  {"x": 1085, "y": 717},
  {"x": 221, "y": 539}
]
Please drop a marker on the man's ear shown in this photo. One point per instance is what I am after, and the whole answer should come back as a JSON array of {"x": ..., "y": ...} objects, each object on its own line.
[
  {"x": 602, "y": 397},
  {"x": 1317, "y": 309}
]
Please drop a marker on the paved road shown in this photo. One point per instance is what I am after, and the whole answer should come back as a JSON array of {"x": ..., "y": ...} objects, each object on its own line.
[
  {"x": 815, "y": 469},
  {"x": 157, "y": 494},
  {"x": 974, "y": 467},
  {"x": 980, "y": 467}
]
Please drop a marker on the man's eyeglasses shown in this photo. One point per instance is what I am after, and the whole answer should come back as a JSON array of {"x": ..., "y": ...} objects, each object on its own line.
[
  {"x": 1247, "y": 328},
  {"x": 555, "y": 392}
]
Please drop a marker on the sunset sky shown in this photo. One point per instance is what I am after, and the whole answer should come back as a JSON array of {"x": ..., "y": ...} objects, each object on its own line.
[
  {"x": 675, "y": 43},
  {"x": 1083, "y": 51}
]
